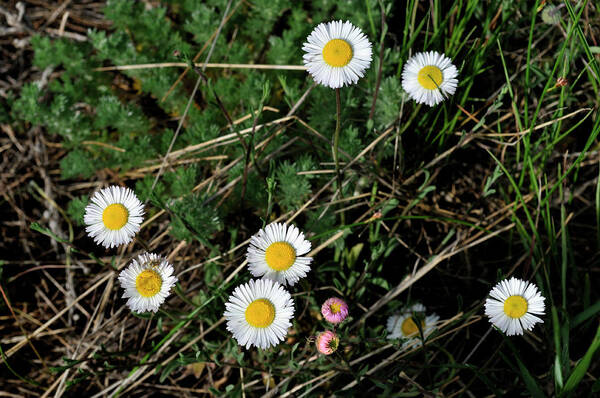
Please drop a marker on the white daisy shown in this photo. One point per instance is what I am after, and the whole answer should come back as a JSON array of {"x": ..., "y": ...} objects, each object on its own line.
[
  {"x": 512, "y": 306},
  {"x": 429, "y": 77},
  {"x": 403, "y": 325},
  {"x": 275, "y": 252},
  {"x": 337, "y": 54},
  {"x": 114, "y": 216},
  {"x": 258, "y": 313},
  {"x": 147, "y": 282}
]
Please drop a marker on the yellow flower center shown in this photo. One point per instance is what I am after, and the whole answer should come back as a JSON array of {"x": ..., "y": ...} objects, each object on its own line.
[
  {"x": 260, "y": 313},
  {"x": 430, "y": 77},
  {"x": 115, "y": 216},
  {"x": 280, "y": 256},
  {"x": 335, "y": 307},
  {"x": 515, "y": 306},
  {"x": 337, "y": 53},
  {"x": 333, "y": 344},
  {"x": 148, "y": 283},
  {"x": 409, "y": 327}
]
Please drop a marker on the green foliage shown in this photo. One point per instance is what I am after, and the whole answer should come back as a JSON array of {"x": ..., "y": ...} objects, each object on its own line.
[
  {"x": 110, "y": 112},
  {"x": 149, "y": 27},
  {"x": 194, "y": 218},
  {"x": 284, "y": 49},
  {"x": 391, "y": 96},
  {"x": 350, "y": 140},
  {"x": 182, "y": 180},
  {"x": 76, "y": 209},
  {"x": 293, "y": 189},
  {"x": 61, "y": 52},
  {"x": 77, "y": 164}
]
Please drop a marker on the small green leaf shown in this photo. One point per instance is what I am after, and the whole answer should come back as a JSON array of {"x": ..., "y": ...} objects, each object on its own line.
[
  {"x": 37, "y": 227},
  {"x": 353, "y": 254},
  {"x": 489, "y": 182}
]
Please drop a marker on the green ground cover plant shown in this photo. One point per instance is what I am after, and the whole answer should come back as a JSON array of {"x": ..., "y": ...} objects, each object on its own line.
[{"x": 204, "y": 110}]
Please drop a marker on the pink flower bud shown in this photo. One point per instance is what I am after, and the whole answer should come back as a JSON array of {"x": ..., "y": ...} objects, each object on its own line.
[
  {"x": 327, "y": 342},
  {"x": 335, "y": 310}
]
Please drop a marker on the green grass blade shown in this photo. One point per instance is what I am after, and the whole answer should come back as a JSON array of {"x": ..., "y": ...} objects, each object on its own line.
[
  {"x": 586, "y": 314},
  {"x": 593, "y": 63},
  {"x": 530, "y": 383},
  {"x": 558, "y": 375},
  {"x": 583, "y": 365}
]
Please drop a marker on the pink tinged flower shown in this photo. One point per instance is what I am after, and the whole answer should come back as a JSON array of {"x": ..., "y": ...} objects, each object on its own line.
[
  {"x": 335, "y": 310},
  {"x": 327, "y": 342}
]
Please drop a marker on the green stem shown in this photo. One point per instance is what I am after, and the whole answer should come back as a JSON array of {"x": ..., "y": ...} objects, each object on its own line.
[
  {"x": 336, "y": 143},
  {"x": 347, "y": 363}
]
